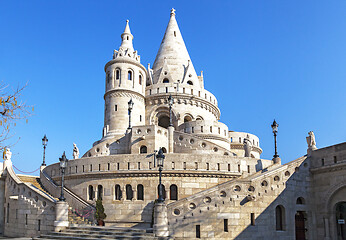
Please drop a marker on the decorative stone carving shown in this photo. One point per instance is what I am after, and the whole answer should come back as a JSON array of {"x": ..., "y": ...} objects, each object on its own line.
[
  {"x": 75, "y": 151},
  {"x": 311, "y": 143},
  {"x": 311, "y": 140},
  {"x": 7, "y": 154},
  {"x": 247, "y": 146}
]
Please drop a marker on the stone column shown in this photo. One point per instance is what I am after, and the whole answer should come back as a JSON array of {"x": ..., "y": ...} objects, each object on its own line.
[
  {"x": 61, "y": 216},
  {"x": 326, "y": 229},
  {"x": 2, "y": 202},
  {"x": 160, "y": 220},
  {"x": 170, "y": 139}
]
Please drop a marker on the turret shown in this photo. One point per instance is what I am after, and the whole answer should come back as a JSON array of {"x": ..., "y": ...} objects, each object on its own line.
[{"x": 125, "y": 80}]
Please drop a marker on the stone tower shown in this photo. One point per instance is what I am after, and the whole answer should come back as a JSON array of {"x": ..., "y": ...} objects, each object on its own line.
[{"x": 125, "y": 80}]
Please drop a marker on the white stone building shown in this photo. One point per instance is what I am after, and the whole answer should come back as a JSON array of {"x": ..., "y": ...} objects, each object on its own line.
[{"x": 216, "y": 186}]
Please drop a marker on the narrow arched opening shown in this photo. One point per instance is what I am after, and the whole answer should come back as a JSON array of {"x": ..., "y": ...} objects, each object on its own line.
[
  {"x": 91, "y": 192},
  {"x": 173, "y": 192},
  {"x": 129, "y": 192},
  {"x": 99, "y": 192},
  {"x": 140, "y": 192},
  {"x": 117, "y": 192}
]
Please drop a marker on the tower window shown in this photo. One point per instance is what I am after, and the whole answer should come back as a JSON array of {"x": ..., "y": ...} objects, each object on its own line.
[
  {"x": 115, "y": 107},
  {"x": 189, "y": 82},
  {"x": 166, "y": 89},
  {"x": 165, "y": 80},
  {"x": 140, "y": 192},
  {"x": 108, "y": 77},
  {"x": 127, "y": 38},
  {"x": 173, "y": 192},
  {"x": 225, "y": 225},
  {"x": 140, "y": 118},
  {"x": 280, "y": 217},
  {"x": 117, "y": 74},
  {"x": 129, "y": 75},
  {"x": 140, "y": 79},
  {"x": 143, "y": 149},
  {"x": 129, "y": 192},
  {"x": 117, "y": 192},
  {"x": 175, "y": 34}
]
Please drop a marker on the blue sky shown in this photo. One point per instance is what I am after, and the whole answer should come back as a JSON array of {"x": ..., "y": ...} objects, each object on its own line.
[{"x": 261, "y": 59}]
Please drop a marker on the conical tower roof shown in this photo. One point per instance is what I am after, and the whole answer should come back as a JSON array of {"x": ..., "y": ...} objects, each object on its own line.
[{"x": 173, "y": 53}]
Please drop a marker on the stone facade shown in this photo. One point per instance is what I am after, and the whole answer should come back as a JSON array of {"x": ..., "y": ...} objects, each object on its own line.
[{"x": 216, "y": 184}]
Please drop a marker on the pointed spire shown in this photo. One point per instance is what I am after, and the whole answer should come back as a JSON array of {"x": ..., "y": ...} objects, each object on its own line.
[
  {"x": 127, "y": 38},
  {"x": 173, "y": 52}
]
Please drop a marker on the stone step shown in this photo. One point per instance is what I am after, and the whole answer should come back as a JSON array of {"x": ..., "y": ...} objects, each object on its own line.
[
  {"x": 109, "y": 229},
  {"x": 110, "y": 235}
]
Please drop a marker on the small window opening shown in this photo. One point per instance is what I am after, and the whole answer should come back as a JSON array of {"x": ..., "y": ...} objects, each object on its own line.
[
  {"x": 225, "y": 225},
  {"x": 248, "y": 168},
  {"x": 140, "y": 79},
  {"x": 211, "y": 129},
  {"x": 117, "y": 192},
  {"x": 166, "y": 89},
  {"x": 140, "y": 118},
  {"x": 118, "y": 166},
  {"x": 173, "y": 165},
  {"x": 196, "y": 165},
  {"x": 198, "y": 231},
  {"x": 218, "y": 166},
  {"x": 99, "y": 167},
  {"x": 165, "y": 80},
  {"x": 128, "y": 166},
  {"x": 189, "y": 82},
  {"x": 252, "y": 219},
  {"x": 238, "y": 167},
  {"x": 140, "y": 192},
  {"x": 229, "y": 167},
  {"x": 201, "y": 128},
  {"x": 335, "y": 159},
  {"x": 129, "y": 75},
  {"x": 99, "y": 192},
  {"x": 322, "y": 160},
  {"x": 184, "y": 165},
  {"x": 91, "y": 167},
  {"x": 139, "y": 166},
  {"x": 117, "y": 74},
  {"x": 108, "y": 166},
  {"x": 173, "y": 192},
  {"x": 175, "y": 34}
]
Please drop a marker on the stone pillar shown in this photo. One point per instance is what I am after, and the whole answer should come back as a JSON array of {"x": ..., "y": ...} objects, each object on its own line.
[
  {"x": 61, "y": 216},
  {"x": 170, "y": 139},
  {"x": 2, "y": 202},
  {"x": 277, "y": 160},
  {"x": 326, "y": 229},
  {"x": 160, "y": 220}
]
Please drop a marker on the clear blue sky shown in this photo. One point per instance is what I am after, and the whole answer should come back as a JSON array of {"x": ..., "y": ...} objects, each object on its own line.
[{"x": 261, "y": 59}]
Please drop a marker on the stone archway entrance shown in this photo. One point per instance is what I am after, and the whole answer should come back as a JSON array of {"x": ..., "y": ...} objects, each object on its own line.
[
  {"x": 300, "y": 225},
  {"x": 163, "y": 121},
  {"x": 340, "y": 214}
]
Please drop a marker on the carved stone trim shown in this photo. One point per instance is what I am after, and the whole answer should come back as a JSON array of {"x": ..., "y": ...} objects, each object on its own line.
[{"x": 124, "y": 93}]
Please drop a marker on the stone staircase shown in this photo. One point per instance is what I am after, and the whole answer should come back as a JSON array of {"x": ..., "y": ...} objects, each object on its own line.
[
  {"x": 76, "y": 219},
  {"x": 36, "y": 183},
  {"x": 93, "y": 233}
]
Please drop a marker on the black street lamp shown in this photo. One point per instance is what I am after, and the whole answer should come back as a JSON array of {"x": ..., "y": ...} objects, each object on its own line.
[
  {"x": 130, "y": 107},
  {"x": 170, "y": 104},
  {"x": 63, "y": 163},
  {"x": 275, "y": 130},
  {"x": 160, "y": 158},
  {"x": 44, "y": 143}
]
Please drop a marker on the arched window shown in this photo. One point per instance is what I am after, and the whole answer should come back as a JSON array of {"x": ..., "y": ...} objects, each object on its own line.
[
  {"x": 117, "y": 74},
  {"x": 187, "y": 118},
  {"x": 165, "y": 80},
  {"x": 129, "y": 75},
  {"x": 163, "y": 191},
  {"x": 91, "y": 192},
  {"x": 143, "y": 149},
  {"x": 300, "y": 201},
  {"x": 117, "y": 192},
  {"x": 140, "y": 79},
  {"x": 280, "y": 217},
  {"x": 164, "y": 150},
  {"x": 189, "y": 82},
  {"x": 140, "y": 192},
  {"x": 129, "y": 192},
  {"x": 99, "y": 192},
  {"x": 173, "y": 192}
]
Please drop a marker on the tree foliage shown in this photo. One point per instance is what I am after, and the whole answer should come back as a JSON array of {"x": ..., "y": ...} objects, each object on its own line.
[
  {"x": 12, "y": 109},
  {"x": 100, "y": 211}
]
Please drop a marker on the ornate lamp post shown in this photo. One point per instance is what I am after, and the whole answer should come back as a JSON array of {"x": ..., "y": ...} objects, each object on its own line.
[
  {"x": 170, "y": 104},
  {"x": 63, "y": 163},
  {"x": 44, "y": 143},
  {"x": 275, "y": 130},
  {"x": 160, "y": 158},
  {"x": 130, "y": 107}
]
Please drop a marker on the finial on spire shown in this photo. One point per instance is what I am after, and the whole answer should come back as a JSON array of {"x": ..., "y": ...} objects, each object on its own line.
[{"x": 172, "y": 12}]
